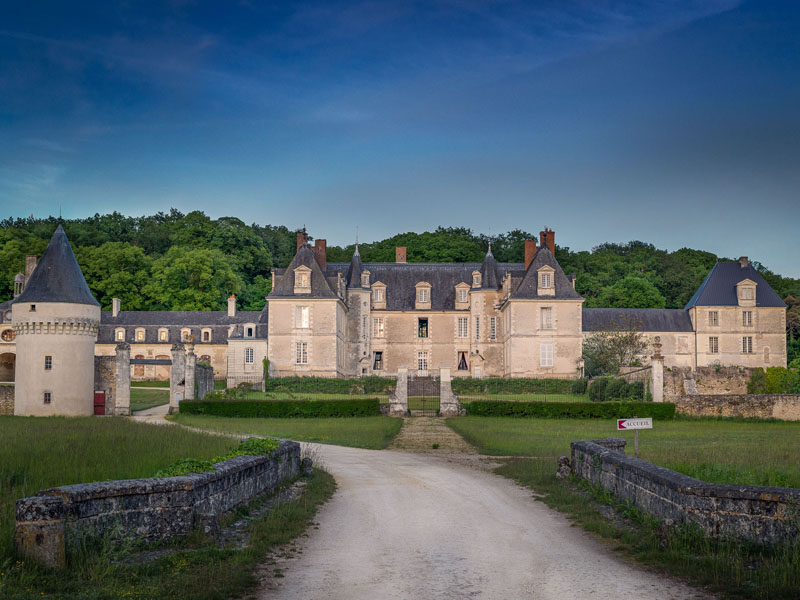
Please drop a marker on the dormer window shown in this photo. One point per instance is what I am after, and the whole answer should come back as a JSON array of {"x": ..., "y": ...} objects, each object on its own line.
[
  {"x": 476, "y": 279},
  {"x": 365, "y": 279},
  {"x": 163, "y": 335},
  {"x": 302, "y": 280},
  {"x": 140, "y": 335},
  {"x": 546, "y": 281},
  {"x": 746, "y": 292},
  {"x": 186, "y": 335},
  {"x": 423, "y": 295},
  {"x": 462, "y": 295},
  {"x": 423, "y": 291},
  {"x": 377, "y": 295},
  {"x": 206, "y": 335},
  {"x": 119, "y": 335},
  {"x": 249, "y": 331}
]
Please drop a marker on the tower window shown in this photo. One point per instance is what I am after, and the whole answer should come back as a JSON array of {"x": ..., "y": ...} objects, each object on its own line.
[{"x": 48, "y": 363}]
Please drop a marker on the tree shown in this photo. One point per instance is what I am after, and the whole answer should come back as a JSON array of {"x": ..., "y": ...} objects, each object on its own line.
[
  {"x": 606, "y": 351},
  {"x": 116, "y": 270},
  {"x": 632, "y": 292}
]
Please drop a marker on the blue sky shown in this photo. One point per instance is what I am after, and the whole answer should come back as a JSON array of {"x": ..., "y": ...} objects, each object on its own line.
[{"x": 673, "y": 122}]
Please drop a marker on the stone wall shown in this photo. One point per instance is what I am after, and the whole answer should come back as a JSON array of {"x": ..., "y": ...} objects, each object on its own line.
[
  {"x": 204, "y": 379},
  {"x": 680, "y": 381},
  {"x": 105, "y": 379},
  {"x": 760, "y": 514},
  {"x": 763, "y": 406},
  {"x": 55, "y": 520},
  {"x": 6, "y": 399}
]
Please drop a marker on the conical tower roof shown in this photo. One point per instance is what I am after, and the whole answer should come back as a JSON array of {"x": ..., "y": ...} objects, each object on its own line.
[
  {"x": 354, "y": 270},
  {"x": 57, "y": 277},
  {"x": 490, "y": 279}
]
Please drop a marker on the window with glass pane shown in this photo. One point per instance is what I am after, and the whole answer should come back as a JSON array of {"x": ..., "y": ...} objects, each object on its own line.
[
  {"x": 713, "y": 318},
  {"x": 377, "y": 327},
  {"x": 547, "y": 317},
  {"x": 248, "y": 356},
  {"x": 377, "y": 364},
  {"x": 463, "y": 327},
  {"x": 301, "y": 353},
  {"x": 422, "y": 361},
  {"x": 713, "y": 345},
  {"x": 462, "y": 295},
  {"x": 422, "y": 328},
  {"x": 492, "y": 328},
  {"x": 747, "y": 318},
  {"x": 302, "y": 316}
]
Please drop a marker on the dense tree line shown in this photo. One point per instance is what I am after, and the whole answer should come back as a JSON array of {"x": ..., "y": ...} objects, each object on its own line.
[{"x": 176, "y": 261}]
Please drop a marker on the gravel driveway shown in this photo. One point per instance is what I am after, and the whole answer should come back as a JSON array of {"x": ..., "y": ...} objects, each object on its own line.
[{"x": 410, "y": 526}]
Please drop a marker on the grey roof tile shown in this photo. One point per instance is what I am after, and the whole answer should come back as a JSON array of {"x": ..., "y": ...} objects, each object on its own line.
[
  {"x": 528, "y": 288},
  {"x": 641, "y": 319},
  {"x": 283, "y": 287},
  {"x": 719, "y": 287}
]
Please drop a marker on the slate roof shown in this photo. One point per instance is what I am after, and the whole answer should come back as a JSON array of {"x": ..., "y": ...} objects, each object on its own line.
[
  {"x": 283, "y": 286},
  {"x": 642, "y": 319},
  {"x": 174, "y": 320},
  {"x": 57, "y": 277},
  {"x": 354, "y": 271},
  {"x": 528, "y": 287},
  {"x": 490, "y": 279},
  {"x": 719, "y": 287}
]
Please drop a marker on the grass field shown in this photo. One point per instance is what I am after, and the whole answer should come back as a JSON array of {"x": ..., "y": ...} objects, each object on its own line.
[
  {"x": 363, "y": 432},
  {"x": 150, "y": 384},
  {"x": 144, "y": 398},
  {"x": 720, "y": 451},
  {"x": 38, "y": 453}
]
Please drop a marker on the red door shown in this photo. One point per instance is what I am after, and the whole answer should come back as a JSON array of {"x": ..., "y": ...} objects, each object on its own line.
[{"x": 99, "y": 403}]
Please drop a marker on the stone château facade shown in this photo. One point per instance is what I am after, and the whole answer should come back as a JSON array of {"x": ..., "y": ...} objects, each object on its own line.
[{"x": 353, "y": 319}]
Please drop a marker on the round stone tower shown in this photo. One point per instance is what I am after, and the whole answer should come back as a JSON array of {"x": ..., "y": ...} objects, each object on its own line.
[{"x": 55, "y": 320}]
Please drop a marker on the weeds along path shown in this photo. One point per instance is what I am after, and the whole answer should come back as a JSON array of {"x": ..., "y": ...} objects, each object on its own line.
[
  {"x": 408, "y": 525},
  {"x": 421, "y": 434}
]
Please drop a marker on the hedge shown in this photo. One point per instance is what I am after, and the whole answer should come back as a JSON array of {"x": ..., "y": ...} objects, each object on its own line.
[
  {"x": 329, "y": 385},
  {"x": 571, "y": 410},
  {"x": 281, "y": 409},
  {"x": 521, "y": 385}
]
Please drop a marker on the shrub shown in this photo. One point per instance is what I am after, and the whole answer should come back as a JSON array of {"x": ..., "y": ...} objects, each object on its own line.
[
  {"x": 776, "y": 380},
  {"x": 521, "y": 385},
  {"x": 329, "y": 385},
  {"x": 571, "y": 410},
  {"x": 597, "y": 389},
  {"x": 282, "y": 408},
  {"x": 186, "y": 466},
  {"x": 635, "y": 391},
  {"x": 579, "y": 386},
  {"x": 616, "y": 389}
]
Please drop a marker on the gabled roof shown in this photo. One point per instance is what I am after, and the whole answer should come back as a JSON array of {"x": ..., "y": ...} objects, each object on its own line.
[
  {"x": 528, "y": 288},
  {"x": 640, "y": 319},
  {"x": 57, "y": 277},
  {"x": 283, "y": 287},
  {"x": 719, "y": 287}
]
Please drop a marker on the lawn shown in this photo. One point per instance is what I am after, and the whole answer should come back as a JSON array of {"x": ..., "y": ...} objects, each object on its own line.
[
  {"x": 719, "y": 451},
  {"x": 39, "y": 453},
  {"x": 362, "y": 432},
  {"x": 150, "y": 384},
  {"x": 142, "y": 399}
]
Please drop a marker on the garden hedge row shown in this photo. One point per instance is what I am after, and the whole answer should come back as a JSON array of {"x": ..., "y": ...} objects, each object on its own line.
[
  {"x": 282, "y": 409},
  {"x": 329, "y": 385},
  {"x": 571, "y": 410},
  {"x": 521, "y": 385}
]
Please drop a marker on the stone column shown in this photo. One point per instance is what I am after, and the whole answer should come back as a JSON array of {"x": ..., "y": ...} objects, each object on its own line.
[
  {"x": 657, "y": 372},
  {"x": 449, "y": 406},
  {"x": 122, "y": 387},
  {"x": 177, "y": 377},
  {"x": 191, "y": 365},
  {"x": 398, "y": 402}
]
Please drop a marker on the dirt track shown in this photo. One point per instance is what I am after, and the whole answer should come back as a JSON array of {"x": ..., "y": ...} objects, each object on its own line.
[{"x": 411, "y": 526}]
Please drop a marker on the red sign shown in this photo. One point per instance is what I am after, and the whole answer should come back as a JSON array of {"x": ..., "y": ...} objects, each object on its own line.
[{"x": 634, "y": 424}]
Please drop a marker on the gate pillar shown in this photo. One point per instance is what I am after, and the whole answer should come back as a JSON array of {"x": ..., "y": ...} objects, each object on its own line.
[
  {"x": 657, "y": 372},
  {"x": 398, "y": 401},
  {"x": 122, "y": 389},
  {"x": 177, "y": 377},
  {"x": 191, "y": 365},
  {"x": 449, "y": 406}
]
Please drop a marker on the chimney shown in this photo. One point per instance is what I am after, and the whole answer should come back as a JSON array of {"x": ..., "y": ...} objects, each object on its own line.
[
  {"x": 400, "y": 254},
  {"x": 744, "y": 262},
  {"x": 232, "y": 305},
  {"x": 530, "y": 252},
  {"x": 302, "y": 238},
  {"x": 321, "y": 251},
  {"x": 572, "y": 279},
  {"x": 115, "y": 306},
  {"x": 548, "y": 238},
  {"x": 30, "y": 265}
]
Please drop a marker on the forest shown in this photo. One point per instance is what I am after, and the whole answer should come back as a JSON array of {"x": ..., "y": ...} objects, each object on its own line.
[{"x": 177, "y": 261}]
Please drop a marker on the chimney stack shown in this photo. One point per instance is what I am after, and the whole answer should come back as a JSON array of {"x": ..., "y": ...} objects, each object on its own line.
[
  {"x": 30, "y": 265},
  {"x": 321, "y": 252},
  {"x": 530, "y": 252},
  {"x": 548, "y": 238},
  {"x": 115, "y": 306},
  {"x": 400, "y": 254},
  {"x": 572, "y": 279},
  {"x": 302, "y": 239},
  {"x": 232, "y": 305},
  {"x": 744, "y": 262}
]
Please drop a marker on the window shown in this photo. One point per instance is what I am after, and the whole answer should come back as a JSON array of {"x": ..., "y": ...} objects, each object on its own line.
[
  {"x": 747, "y": 344},
  {"x": 462, "y": 295},
  {"x": 48, "y": 397},
  {"x": 492, "y": 328},
  {"x": 378, "y": 327},
  {"x": 33, "y": 309},
  {"x": 377, "y": 363},
  {"x": 422, "y": 361},
  {"x": 120, "y": 335},
  {"x": 462, "y": 362},
  {"x": 547, "y": 317},
  {"x": 140, "y": 335},
  {"x": 301, "y": 279},
  {"x": 463, "y": 327},
  {"x": 302, "y": 317},
  {"x": 377, "y": 295},
  {"x": 163, "y": 335},
  {"x": 248, "y": 356},
  {"x": 547, "y": 280},
  {"x": 747, "y": 318},
  {"x": 476, "y": 279},
  {"x": 747, "y": 293},
  {"x": 206, "y": 335},
  {"x": 424, "y": 295},
  {"x": 713, "y": 318},
  {"x": 422, "y": 328},
  {"x": 301, "y": 353},
  {"x": 8, "y": 335},
  {"x": 248, "y": 331},
  {"x": 713, "y": 345},
  {"x": 546, "y": 355},
  {"x": 477, "y": 329},
  {"x": 364, "y": 322},
  {"x": 186, "y": 335},
  {"x": 48, "y": 363},
  {"x": 365, "y": 280}
]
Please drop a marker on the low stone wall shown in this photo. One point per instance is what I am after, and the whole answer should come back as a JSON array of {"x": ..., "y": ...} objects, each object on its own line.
[
  {"x": 680, "y": 381},
  {"x": 763, "y": 406},
  {"x": 761, "y": 514},
  {"x": 7, "y": 399},
  {"x": 204, "y": 378},
  {"x": 55, "y": 520}
]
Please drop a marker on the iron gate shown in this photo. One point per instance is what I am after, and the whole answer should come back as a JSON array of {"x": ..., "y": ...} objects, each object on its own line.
[{"x": 423, "y": 397}]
